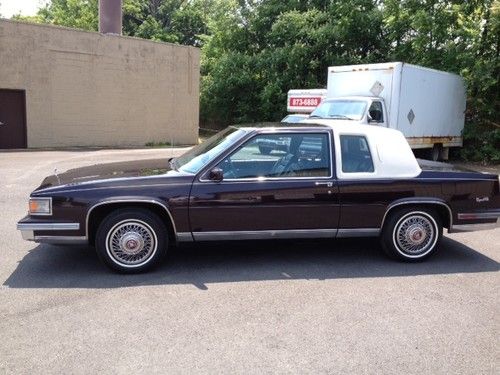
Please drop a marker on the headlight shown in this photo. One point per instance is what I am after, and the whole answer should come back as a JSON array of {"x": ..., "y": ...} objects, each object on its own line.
[{"x": 40, "y": 206}]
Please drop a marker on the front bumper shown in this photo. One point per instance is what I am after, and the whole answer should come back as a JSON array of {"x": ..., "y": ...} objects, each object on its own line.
[
  {"x": 57, "y": 232},
  {"x": 483, "y": 220}
]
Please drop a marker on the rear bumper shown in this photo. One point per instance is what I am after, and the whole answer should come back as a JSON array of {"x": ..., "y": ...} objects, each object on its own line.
[
  {"x": 483, "y": 220},
  {"x": 57, "y": 232}
]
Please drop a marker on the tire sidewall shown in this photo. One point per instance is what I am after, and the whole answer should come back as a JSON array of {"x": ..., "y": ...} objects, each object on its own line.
[
  {"x": 389, "y": 233},
  {"x": 153, "y": 223}
]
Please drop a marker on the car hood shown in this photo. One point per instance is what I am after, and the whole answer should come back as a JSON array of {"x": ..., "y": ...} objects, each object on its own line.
[{"x": 98, "y": 172}]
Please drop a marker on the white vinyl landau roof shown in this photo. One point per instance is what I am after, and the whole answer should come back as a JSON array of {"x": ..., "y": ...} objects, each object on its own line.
[{"x": 391, "y": 154}]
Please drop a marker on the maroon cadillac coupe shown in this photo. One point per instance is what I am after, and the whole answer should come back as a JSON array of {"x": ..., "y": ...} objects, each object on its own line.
[{"x": 264, "y": 182}]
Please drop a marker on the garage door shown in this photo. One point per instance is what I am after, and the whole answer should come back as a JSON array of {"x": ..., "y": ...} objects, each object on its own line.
[{"x": 12, "y": 118}]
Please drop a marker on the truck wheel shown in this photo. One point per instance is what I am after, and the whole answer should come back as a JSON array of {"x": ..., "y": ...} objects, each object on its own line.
[
  {"x": 411, "y": 234},
  {"x": 131, "y": 240}
]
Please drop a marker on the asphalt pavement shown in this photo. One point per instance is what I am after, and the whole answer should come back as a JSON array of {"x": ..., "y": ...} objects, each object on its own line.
[{"x": 304, "y": 307}]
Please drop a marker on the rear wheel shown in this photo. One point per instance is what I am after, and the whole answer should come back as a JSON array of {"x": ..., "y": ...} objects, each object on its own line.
[
  {"x": 412, "y": 234},
  {"x": 131, "y": 240}
]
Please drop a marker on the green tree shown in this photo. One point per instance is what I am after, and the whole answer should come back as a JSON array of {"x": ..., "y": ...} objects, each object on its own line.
[{"x": 254, "y": 51}]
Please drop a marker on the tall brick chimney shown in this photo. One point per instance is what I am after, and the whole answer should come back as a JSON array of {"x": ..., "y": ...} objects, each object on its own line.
[{"x": 110, "y": 16}]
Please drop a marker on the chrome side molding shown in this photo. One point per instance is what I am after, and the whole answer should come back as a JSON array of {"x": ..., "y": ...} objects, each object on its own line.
[
  {"x": 27, "y": 229},
  {"x": 358, "y": 232},
  {"x": 48, "y": 226},
  {"x": 62, "y": 240},
  {"x": 184, "y": 237},
  {"x": 283, "y": 234},
  {"x": 264, "y": 234}
]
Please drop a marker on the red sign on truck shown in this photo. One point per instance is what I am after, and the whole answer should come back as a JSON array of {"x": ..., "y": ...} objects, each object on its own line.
[{"x": 304, "y": 101}]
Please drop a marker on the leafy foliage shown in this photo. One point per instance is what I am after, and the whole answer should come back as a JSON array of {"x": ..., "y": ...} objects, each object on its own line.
[{"x": 254, "y": 51}]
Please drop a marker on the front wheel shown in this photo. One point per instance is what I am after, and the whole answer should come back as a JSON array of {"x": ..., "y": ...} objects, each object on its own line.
[
  {"x": 131, "y": 240},
  {"x": 412, "y": 234}
]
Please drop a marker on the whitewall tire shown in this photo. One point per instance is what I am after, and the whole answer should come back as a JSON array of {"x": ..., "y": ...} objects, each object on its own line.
[
  {"x": 412, "y": 234},
  {"x": 131, "y": 240}
]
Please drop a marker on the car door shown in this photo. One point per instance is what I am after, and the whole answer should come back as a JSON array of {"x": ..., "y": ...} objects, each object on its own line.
[{"x": 287, "y": 192}]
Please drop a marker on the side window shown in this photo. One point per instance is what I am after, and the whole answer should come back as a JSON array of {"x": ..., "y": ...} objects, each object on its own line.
[
  {"x": 280, "y": 155},
  {"x": 376, "y": 112},
  {"x": 356, "y": 155}
]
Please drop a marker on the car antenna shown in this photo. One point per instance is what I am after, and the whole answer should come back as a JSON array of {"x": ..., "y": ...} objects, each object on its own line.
[{"x": 57, "y": 176}]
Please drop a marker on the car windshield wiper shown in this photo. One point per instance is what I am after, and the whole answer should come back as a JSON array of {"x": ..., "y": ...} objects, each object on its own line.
[
  {"x": 172, "y": 163},
  {"x": 315, "y": 116}
]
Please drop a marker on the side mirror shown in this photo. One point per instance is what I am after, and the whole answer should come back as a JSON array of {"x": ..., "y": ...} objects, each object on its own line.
[{"x": 216, "y": 174}]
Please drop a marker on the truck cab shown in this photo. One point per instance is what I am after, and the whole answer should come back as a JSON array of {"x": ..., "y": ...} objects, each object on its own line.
[{"x": 355, "y": 109}]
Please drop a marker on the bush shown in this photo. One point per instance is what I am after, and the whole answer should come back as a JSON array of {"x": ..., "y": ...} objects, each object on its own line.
[{"x": 481, "y": 143}]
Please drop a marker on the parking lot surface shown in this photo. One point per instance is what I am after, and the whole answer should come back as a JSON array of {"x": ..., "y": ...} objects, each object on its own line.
[{"x": 253, "y": 307}]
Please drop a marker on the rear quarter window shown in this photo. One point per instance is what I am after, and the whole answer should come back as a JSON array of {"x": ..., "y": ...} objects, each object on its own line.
[{"x": 356, "y": 156}]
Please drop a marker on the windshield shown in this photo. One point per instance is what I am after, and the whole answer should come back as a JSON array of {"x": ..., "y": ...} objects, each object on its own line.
[
  {"x": 341, "y": 109},
  {"x": 196, "y": 158},
  {"x": 294, "y": 118}
]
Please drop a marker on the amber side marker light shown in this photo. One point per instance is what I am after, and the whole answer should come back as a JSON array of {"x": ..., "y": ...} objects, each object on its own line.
[{"x": 40, "y": 206}]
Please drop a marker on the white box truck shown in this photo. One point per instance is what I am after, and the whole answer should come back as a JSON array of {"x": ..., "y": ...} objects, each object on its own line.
[{"x": 426, "y": 105}]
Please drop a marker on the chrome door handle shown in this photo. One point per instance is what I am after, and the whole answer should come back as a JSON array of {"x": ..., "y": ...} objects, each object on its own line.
[
  {"x": 1, "y": 123},
  {"x": 327, "y": 184}
]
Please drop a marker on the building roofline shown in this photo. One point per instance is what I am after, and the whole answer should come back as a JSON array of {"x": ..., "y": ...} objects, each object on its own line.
[{"x": 66, "y": 28}]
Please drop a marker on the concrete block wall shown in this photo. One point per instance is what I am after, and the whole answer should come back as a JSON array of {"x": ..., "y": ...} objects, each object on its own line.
[{"x": 88, "y": 89}]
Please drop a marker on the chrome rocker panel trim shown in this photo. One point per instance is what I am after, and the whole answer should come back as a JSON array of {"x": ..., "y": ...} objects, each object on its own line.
[
  {"x": 283, "y": 234},
  {"x": 264, "y": 234},
  {"x": 358, "y": 232}
]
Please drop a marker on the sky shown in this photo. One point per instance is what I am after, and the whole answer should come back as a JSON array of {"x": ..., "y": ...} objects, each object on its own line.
[{"x": 26, "y": 7}]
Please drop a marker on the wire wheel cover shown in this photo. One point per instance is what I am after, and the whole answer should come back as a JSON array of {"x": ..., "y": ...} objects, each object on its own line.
[
  {"x": 131, "y": 242},
  {"x": 415, "y": 234}
]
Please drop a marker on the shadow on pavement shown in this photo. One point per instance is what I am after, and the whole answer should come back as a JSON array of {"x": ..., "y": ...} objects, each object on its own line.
[{"x": 200, "y": 264}]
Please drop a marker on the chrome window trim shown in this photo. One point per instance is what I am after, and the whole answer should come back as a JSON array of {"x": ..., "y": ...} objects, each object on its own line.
[
  {"x": 47, "y": 226},
  {"x": 42, "y": 199},
  {"x": 423, "y": 201},
  {"x": 370, "y": 149},
  {"x": 111, "y": 201},
  {"x": 256, "y": 133}
]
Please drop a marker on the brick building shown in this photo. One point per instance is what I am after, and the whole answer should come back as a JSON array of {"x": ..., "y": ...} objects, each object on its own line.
[{"x": 63, "y": 87}]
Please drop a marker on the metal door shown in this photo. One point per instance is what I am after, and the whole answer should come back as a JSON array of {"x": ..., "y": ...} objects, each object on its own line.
[{"x": 12, "y": 119}]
